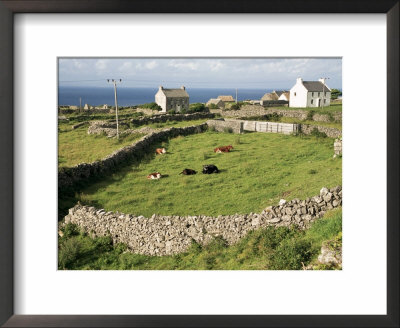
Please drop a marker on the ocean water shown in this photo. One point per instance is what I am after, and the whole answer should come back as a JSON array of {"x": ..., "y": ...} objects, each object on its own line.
[{"x": 135, "y": 96}]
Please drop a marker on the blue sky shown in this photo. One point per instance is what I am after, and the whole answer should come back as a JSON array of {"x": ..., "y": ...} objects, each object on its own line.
[{"x": 254, "y": 73}]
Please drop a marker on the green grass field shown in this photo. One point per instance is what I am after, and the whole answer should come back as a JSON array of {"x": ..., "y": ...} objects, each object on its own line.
[
  {"x": 261, "y": 169},
  {"x": 264, "y": 249},
  {"x": 76, "y": 146},
  {"x": 336, "y": 125},
  {"x": 333, "y": 108}
]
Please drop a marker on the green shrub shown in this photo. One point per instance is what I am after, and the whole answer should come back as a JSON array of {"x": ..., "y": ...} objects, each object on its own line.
[
  {"x": 291, "y": 254},
  {"x": 68, "y": 252},
  {"x": 196, "y": 107},
  {"x": 70, "y": 230},
  {"x": 172, "y": 112},
  {"x": 330, "y": 117},
  {"x": 213, "y": 106},
  {"x": 310, "y": 115},
  {"x": 151, "y": 105},
  {"x": 316, "y": 133},
  {"x": 235, "y": 107}
]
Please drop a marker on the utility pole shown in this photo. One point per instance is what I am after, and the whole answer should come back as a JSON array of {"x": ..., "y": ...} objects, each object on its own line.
[
  {"x": 323, "y": 89},
  {"x": 236, "y": 95},
  {"x": 80, "y": 104},
  {"x": 116, "y": 100}
]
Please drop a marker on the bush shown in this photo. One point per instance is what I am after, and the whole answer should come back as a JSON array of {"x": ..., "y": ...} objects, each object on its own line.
[
  {"x": 316, "y": 133},
  {"x": 68, "y": 253},
  {"x": 151, "y": 105},
  {"x": 196, "y": 107},
  {"x": 235, "y": 107},
  {"x": 291, "y": 254},
  {"x": 310, "y": 115},
  {"x": 213, "y": 106},
  {"x": 172, "y": 112}
]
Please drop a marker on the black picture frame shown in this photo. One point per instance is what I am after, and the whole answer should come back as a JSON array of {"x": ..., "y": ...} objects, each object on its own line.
[{"x": 10, "y": 7}]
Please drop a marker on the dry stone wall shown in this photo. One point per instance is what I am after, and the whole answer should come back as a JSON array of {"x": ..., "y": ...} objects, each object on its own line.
[
  {"x": 226, "y": 125},
  {"x": 330, "y": 132},
  {"x": 166, "y": 235},
  {"x": 70, "y": 177},
  {"x": 168, "y": 117},
  {"x": 337, "y": 146}
]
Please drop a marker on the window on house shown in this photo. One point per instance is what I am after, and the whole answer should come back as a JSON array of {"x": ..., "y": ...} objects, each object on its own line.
[
  {"x": 295, "y": 94},
  {"x": 324, "y": 101},
  {"x": 312, "y": 101}
]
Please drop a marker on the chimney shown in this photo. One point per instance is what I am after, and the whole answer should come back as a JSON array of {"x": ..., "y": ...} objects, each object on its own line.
[
  {"x": 322, "y": 80},
  {"x": 160, "y": 87},
  {"x": 183, "y": 87},
  {"x": 299, "y": 80}
]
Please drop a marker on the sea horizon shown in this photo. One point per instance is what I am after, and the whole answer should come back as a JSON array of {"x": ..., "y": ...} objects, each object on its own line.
[{"x": 96, "y": 96}]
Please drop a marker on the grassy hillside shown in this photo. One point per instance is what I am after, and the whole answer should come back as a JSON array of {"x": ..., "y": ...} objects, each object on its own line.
[
  {"x": 261, "y": 169},
  {"x": 76, "y": 146},
  {"x": 264, "y": 249}
]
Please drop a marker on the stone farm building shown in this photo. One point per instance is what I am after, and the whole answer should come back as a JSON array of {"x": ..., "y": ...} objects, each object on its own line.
[
  {"x": 226, "y": 98},
  {"x": 176, "y": 99},
  {"x": 310, "y": 94},
  {"x": 217, "y": 102}
]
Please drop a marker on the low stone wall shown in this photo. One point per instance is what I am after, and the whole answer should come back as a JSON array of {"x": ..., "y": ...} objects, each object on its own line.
[
  {"x": 78, "y": 125},
  {"x": 258, "y": 110},
  {"x": 166, "y": 235},
  {"x": 168, "y": 117},
  {"x": 330, "y": 132},
  {"x": 337, "y": 147},
  {"x": 224, "y": 125},
  {"x": 69, "y": 177}
]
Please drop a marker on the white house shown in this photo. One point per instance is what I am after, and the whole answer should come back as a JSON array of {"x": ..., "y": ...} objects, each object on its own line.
[
  {"x": 284, "y": 96},
  {"x": 310, "y": 94},
  {"x": 176, "y": 99},
  {"x": 216, "y": 101}
]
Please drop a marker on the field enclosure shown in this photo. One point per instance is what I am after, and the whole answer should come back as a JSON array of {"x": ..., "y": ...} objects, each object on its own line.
[{"x": 259, "y": 171}]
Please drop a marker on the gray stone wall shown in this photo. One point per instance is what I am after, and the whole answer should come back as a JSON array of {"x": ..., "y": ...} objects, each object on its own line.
[
  {"x": 257, "y": 110},
  {"x": 271, "y": 127},
  {"x": 330, "y": 132},
  {"x": 167, "y": 117},
  {"x": 337, "y": 147},
  {"x": 70, "y": 177},
  {"x": 166, "y": 235},
  {"x": 224, "y": 125}
]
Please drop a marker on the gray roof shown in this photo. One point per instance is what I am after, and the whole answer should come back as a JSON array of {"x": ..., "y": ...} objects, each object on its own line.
[
  {"x": 171, "y": 93},
  {"x": 279, "y": 92},
  {"x": 315, "y": 86}
]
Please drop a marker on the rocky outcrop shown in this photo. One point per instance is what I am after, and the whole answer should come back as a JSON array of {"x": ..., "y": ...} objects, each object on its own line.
[{"x": 165, "y": 235}]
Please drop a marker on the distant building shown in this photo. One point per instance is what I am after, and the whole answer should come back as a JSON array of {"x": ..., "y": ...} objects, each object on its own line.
[
  {"x": 285, "y": 96},
  {"x": 86, "y": 107},
  {"x": 217, "y": 102},
  {"x": 176, "y": 99},
  {"x": 310, "y": 94},
  {"x": 74, "y": 107},
  {"x": 269, "y": 96},
  {"x": 226, "y": 98}
]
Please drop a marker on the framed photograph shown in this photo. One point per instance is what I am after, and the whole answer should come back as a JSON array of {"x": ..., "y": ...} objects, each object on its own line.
[{"x": 187, "y": 166}]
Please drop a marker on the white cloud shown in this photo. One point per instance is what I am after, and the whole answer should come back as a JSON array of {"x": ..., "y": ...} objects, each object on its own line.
[
  {"x": 151, "y": 65},
  {"x": 125, "y": 66},
  {"x": 101, "y": 64},
  {"x": 184, "y": 64}
]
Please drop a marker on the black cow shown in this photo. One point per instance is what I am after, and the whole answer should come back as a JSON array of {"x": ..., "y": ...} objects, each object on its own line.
[
  {"x": 210, "y": 168},
  {"x": 188, "y": 172}
]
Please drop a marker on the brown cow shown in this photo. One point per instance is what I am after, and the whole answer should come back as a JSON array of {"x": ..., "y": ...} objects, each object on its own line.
[
  {"x": 223, "y": 149},
  {"x": 160, "y": 151},
  {"x": 155, "y": 175}
]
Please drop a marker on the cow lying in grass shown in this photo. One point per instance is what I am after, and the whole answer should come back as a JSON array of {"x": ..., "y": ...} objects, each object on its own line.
[
  {"x": 210, "y": 168},
  {"x": 160, "y": 151},
  {"x": 188, "y": 172},
  {"x": 223, "y": 149},
  {"x": 155, "y": 175}
]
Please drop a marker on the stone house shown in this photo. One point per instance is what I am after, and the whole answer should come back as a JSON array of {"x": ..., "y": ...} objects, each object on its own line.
[
  {"x": 270, "y": 96},
  {"x": 176, "y": 99},
  {"x": 226, "y": 98},
  {"x": 217, "y": 102},
  {"x": 310, "y": 94}
]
